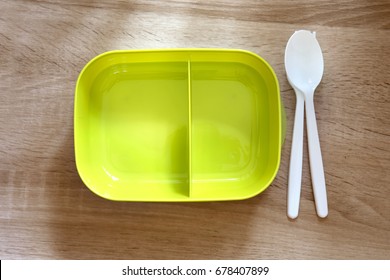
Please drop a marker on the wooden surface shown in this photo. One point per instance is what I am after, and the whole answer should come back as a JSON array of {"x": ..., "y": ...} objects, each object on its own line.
[{"x": 47, "y": 212}]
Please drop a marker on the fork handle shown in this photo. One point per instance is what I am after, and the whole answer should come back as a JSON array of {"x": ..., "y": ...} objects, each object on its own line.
[
  {"x": 316, "y": 164},
  {"x": 295, "y": 172}
]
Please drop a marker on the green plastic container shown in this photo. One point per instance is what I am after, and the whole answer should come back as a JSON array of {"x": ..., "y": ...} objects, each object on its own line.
[{"x": 177, "y": 125}]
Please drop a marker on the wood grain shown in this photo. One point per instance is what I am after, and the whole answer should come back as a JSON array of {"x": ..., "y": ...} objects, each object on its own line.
[{"x": 47, "y": 212}]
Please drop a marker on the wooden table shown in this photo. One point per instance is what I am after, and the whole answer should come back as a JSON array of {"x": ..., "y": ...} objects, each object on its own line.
[{"x": 47, "y": 212}]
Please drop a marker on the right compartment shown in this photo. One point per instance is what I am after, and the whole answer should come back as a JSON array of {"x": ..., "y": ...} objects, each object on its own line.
[{"x": 235, "y": 125}]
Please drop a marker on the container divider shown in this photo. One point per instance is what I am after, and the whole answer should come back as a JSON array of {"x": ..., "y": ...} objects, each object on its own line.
[{"x": 189, "y": 129}]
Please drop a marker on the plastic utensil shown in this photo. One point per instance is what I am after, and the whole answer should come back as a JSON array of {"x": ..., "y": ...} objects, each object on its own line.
[
  {"x": 295, "y": 172},
  {"x": 304, "y": 67}
]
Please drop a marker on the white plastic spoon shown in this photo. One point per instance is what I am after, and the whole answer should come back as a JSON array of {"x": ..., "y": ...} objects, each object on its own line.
[{"x": 304, "y": 67}]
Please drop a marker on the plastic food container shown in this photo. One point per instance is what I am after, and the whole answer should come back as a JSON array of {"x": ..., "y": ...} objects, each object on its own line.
[{"x": 177, "y": 125}]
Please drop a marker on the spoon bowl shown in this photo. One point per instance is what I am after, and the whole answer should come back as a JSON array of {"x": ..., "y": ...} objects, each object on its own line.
[{"x": 304, "y": 61}]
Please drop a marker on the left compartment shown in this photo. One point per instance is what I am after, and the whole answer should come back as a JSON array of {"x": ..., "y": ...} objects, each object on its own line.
[{"x": 132, "y": 126}]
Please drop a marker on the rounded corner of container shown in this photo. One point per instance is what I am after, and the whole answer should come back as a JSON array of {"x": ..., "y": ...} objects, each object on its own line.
[
  {"x": 253, "y": 194},
  {"x": 91, "y": 187}
]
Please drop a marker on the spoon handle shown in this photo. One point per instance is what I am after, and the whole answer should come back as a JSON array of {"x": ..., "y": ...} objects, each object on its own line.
[
  {"x": 295, "y": 173},
  {"x": 316, "y": 165}
]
